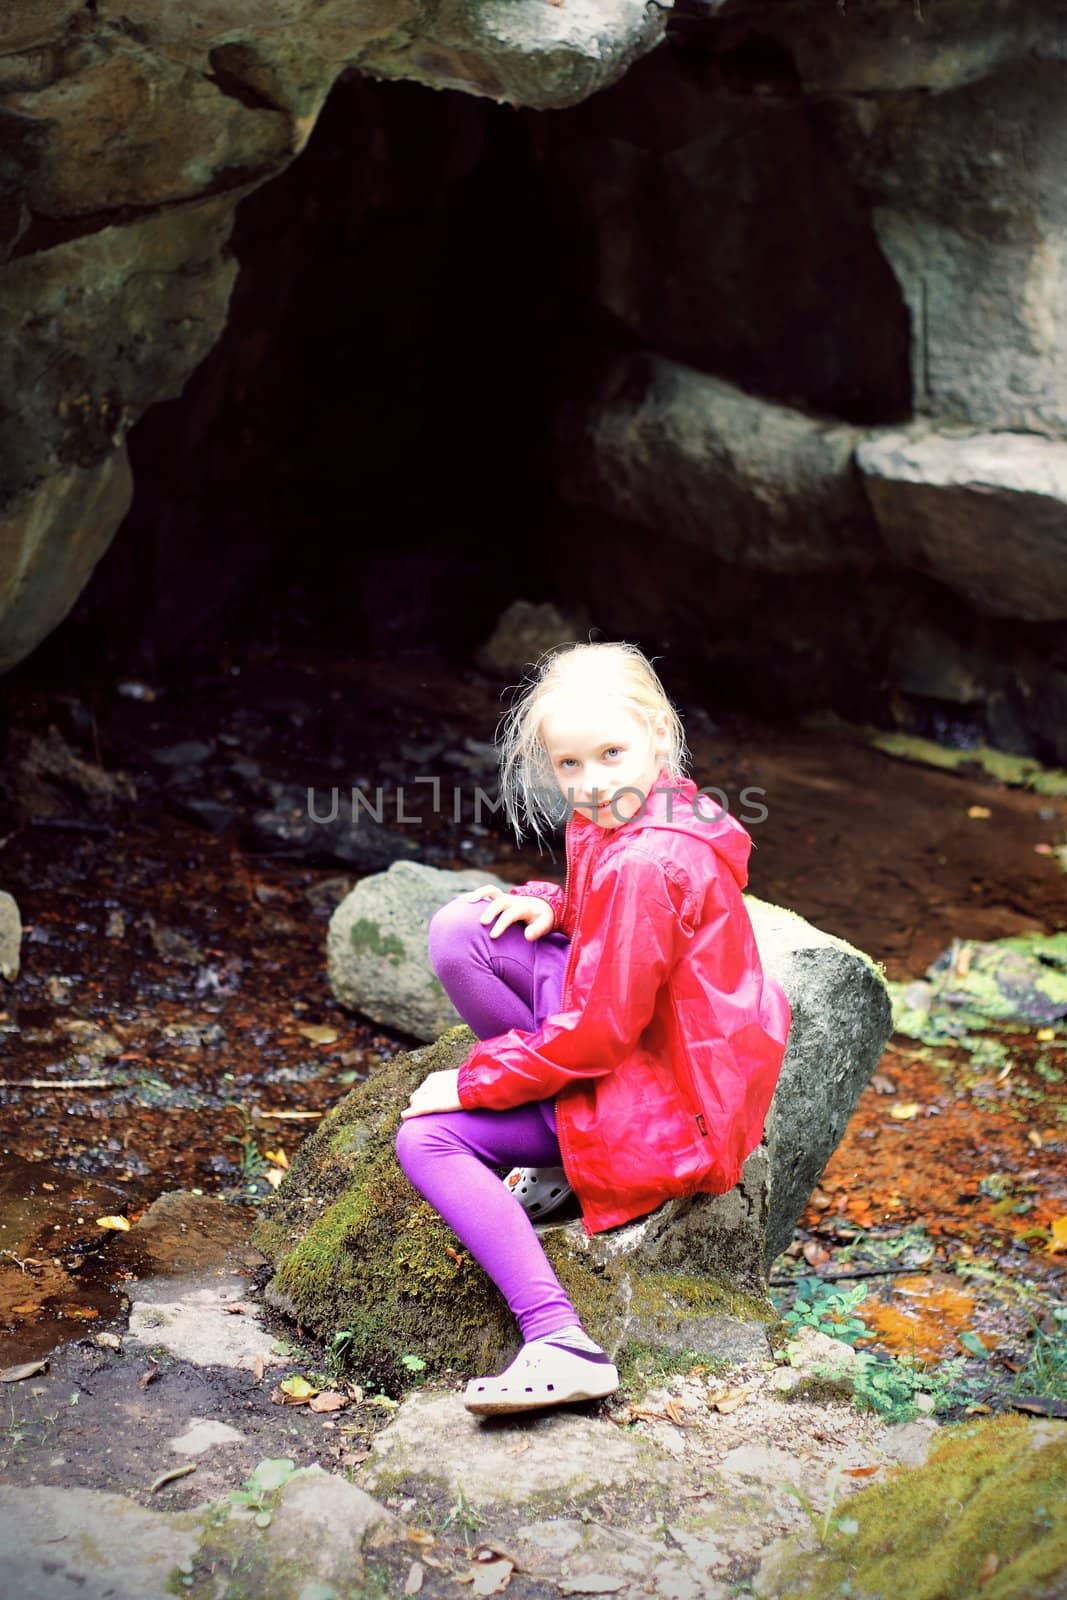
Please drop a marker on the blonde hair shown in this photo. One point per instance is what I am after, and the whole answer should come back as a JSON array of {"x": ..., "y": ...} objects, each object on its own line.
[{"x": 528, "y": 788}]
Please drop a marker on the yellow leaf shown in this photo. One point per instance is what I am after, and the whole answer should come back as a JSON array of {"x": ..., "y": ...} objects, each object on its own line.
[
  {"x": 1046, "y": 1035},
  {"x": 316, "y": 1033},
  {"x": 979, "y": 813},
  {"x": 297, "y": 1389},
  {"x": 278, "y": 1156},
  {"x": 120, "y": 1224},
  {"x": 904, "y": 1111},
  {"x": 1059, "y": 1234},
  {"x": 490, "y": 1577}
]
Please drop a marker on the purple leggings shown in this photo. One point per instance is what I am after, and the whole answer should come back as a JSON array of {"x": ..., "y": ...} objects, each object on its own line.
[{"x": 495, "y": 985}]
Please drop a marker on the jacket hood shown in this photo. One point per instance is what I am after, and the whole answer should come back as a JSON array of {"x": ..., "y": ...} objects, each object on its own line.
[{"x": 676, "y": 805}]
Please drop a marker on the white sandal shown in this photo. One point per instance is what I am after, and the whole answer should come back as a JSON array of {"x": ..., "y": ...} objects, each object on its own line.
[
  {"x": 539, "y": 1190},
  {"x": 543, "y": 1375}
]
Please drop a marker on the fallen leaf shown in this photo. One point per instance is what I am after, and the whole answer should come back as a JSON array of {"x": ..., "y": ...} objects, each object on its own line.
[
  {"x": 676, "y": 1415},
  {"x": 728, "y": 1399},
  {"x": 235, "y": 1310},
  {"x": 454, "y": 1255},
  {"x": 258, "y": 1368},
  {"x": 120, "y": 1224},
  {"x": 28, "y": 1369},
  {"x": 278, "y": 1156},
  {"x": 171, "y": 1476},
  {"x": 988, "y": 1568},
  {"x": 83, "y": 1313},
  {"x": 490, "y": 1577},
  {"x": 297, "y": 1390},
  {"x": 107, "y": 1341},
  {"x": 413, "y": 1581},
  {"x": 861, "y": 1472},
  {"x": 274, "y": 1176},
  {"x": 979, "y": 813},
  {"x": 904, "y": 1111},
  {"x": 1059, "y": 1234},
  {"x": 148, "y": 1377},
  {"x": 327, "y": 1400},
  {"x": 883, "y": 1085},
  {"x": 815, "y": 1254},
  {"x": 26, "y": 1308},
  {"x": 316, "y": 1033},
  {"x": 1035, "y": 1139},
  {"x": 1045, "y": 1035}
]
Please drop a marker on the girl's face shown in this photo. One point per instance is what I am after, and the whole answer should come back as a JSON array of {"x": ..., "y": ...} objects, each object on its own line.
[{"x": 605, "y": 758}]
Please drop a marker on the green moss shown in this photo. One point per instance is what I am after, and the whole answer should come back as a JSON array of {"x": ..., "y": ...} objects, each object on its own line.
[
  {"x": 990, "y": 1489},
  {"x": 366, "y": 938}
]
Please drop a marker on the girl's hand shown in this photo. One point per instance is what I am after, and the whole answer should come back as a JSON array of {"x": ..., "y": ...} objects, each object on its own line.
[
  {"x": 435, "y": 1093},
  {"x": 508, "y": 908}
]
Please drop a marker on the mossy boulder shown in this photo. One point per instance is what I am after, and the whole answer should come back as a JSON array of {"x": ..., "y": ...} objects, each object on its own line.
[
  {"x": 982, "y": 1516},
  {"x": 358, "y": 1253}
]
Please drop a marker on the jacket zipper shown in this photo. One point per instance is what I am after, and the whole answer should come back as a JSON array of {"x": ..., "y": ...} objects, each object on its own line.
[{"x": 579, "y": 901}]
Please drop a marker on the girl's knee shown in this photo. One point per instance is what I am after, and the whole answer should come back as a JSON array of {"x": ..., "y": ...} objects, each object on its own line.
[{"x": 453, "y": 931}]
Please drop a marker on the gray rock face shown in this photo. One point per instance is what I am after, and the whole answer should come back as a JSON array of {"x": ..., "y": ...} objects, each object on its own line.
[
  {"x": 376, "y": 946},
  {"x": 53, "y": 1544},
  {"x": 966, "y": 196},
  {"x": 750, "y": 482},
  {"x": 10, "y": 936},
  {"x": 985, "y": 513},
  {"x": 434, "y": 1436}
]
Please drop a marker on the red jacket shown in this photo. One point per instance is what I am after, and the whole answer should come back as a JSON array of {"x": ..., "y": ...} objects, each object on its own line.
[{"x": 666, "y": 1050}]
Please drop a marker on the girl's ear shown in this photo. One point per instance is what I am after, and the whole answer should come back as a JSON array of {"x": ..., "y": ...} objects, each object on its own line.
[{"x": 659, "y": 733}]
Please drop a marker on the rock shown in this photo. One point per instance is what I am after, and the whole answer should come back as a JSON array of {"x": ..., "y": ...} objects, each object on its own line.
[
  {"x": 203, "y": 1434},
  {"x": 817, "y": 1361},
  {"x": 303, "y": 824},
  {"x": 965, "y": 194},
  {"x": 515, "y": 54},
  {"x": 111, "y": 321},
  {"x": 524, "y": 632},
  {"x": 354, "y": 1248},
  {"x": 199, "y": 1327},
  {"x": 51, "y": 537},
  {"x": 58, "y": 1542},
  {"x": 321, "y": 1530},
  {"x": 434, "y": 1437},
  {"x": 666, "y": 447},
  {"x": 182, "y": 1234},
  {"x": 984, "y": 513},
  {"x": 131, "y": 131},
  {"x": 995, "y": 1473},
  {"x": 43, "y": 777},
  {"x": 377, "y": 960},
  {"x": 10, "y": 936}
]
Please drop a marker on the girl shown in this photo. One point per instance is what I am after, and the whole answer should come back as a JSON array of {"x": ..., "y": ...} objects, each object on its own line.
[{"x": 627, "y": 1030}]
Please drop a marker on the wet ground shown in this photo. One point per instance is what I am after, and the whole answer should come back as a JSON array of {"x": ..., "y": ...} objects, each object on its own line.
[{"x": 172, "y": 1026}]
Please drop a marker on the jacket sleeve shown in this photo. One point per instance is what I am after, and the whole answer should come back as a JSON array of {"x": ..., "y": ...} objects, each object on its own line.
[
  {"x": 549, "y": 892},
  {"x": 619, "y": 969}
]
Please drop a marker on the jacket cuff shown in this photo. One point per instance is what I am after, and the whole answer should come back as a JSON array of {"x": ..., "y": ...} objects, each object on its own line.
[{"x": 466, "y": 1093}]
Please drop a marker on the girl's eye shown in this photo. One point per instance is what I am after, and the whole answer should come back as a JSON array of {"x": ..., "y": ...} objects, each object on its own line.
[{"x": 613, "y": 750}]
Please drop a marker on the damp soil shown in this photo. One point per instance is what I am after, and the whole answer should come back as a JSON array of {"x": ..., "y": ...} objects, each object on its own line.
[{"x": 172, "y": 1026}]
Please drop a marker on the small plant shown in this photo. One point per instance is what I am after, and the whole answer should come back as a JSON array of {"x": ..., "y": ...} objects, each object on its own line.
[
  {"x": 1046, "y": 1371},
  {"x": 414, "y": 1364},
  {"x": 462, "y": 1516},
  {"x": 250, "y": 1161},
  {"x": 827, "y": 1309}
]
